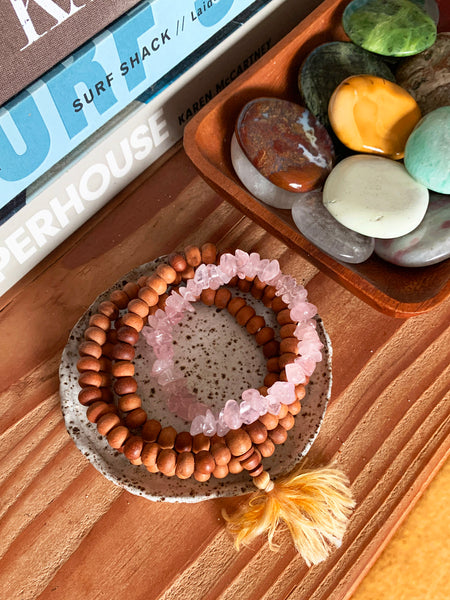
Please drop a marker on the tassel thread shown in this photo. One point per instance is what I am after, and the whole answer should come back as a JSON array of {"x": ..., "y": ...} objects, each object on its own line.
[{"x": 314, "y": 504}]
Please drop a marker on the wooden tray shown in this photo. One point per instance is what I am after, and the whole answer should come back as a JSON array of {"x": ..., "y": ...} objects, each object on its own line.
[{"x": 396, "y": 291}]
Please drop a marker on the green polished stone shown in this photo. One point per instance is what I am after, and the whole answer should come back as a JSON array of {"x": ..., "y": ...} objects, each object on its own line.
[
  {"x": 389, "y": 28},
  {"x": 427, "y": 151},
  {"x": 327, "y": 66}
]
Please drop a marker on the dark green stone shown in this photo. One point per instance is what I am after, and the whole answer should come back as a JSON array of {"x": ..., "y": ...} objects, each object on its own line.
[
  {"x": 327, "y": 66},
  {"x": 389, "y": 28}
]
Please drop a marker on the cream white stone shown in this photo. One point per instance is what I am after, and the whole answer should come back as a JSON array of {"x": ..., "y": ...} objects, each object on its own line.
[{"x": 375, "y": 196}]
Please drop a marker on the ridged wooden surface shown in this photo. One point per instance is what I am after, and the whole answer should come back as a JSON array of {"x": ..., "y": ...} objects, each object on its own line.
[{"x": 68, "y": 533}]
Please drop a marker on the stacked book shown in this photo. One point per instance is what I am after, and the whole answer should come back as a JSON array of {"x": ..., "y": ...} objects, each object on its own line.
[{"x": 95, "y": 91}]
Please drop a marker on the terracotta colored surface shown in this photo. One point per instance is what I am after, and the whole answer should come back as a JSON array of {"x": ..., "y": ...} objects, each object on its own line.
[
  {"x": 392, "y": 290},
  {"x": 68, "y": 533}
]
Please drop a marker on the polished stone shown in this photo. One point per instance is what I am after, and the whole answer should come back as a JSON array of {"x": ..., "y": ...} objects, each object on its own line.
[
  {"x": 327, "y": 66},
  {"x": 318, "y": 226},
  {"x": 426, "y": 245},
  {"x": 426, "y": 76},
  {"x": 286, "y": 146},
  {"x": 375, "y": 196},
  {"x": 394, "y": 28},
  {"x": 371, "y": 114},
  {"x": 427, "y": 152}
]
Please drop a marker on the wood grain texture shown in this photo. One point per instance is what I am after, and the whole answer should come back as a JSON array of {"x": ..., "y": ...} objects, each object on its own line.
[{"x": 66, "y": 532}]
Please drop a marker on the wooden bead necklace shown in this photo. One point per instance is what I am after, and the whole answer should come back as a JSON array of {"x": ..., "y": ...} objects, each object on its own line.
[{"x": 106, "y": 363}]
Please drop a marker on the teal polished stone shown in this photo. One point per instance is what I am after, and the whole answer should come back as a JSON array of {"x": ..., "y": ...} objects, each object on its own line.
[
  {"x": 427, "y": 151},
  {"x": 394, "y": 28},
  {"x": 327, "y": 66}
]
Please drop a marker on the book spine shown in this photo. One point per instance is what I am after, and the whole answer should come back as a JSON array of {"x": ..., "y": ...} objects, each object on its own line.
[
  {"x": 38, "y": 35},
  {"x": 58, "y": 112}
]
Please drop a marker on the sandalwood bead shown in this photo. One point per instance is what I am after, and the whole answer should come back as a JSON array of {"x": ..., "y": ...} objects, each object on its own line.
[
  {"x": 148, "y": 295},
  {"x": 268, "y": 296},
  {"x": 284, "y": 317},
  {"x": 300, "y": 392},
  {"x": 107, "y": 395},
  {"x": 177, "y": 261},
  {"x": 88, "y": 395},
  {"x": 221, "y": 454},
  {"x": 133, "y": 447},
  {"x": 200, "y": 442},
  {"x": 125, "y": 385},
  {"x": 273, "y": 365},
  {"x": 256, "y": 471},
  {"x": 137, "y": 306},
  {"x": 270, "y": 379},
  {"x": 269, "y": 421},
  {"x": 90, "y": 349},
  {"x": 127, "y": 334},
  {"x": 246, "y": 454},
  {"x": 295, "y": 407},
  {"x": 149, "y": 454},
  {"x": 235, "y": 304},
  {"x": 157, "y": 283},
  {"x": 123, "y": 368},
  {"x": 278, "y": 435},
  {"x": 208, "y": 253},
  {"x": 238, "y": 441},
  {"x": 132, "y": 320},
  {"x": 105, "y": 379},
  {"x": 150, "y": 430},
  {"x": 220, "y": 471},
  {"x": 97, "y": 409},
  {"x": 101, "y": 321},
  {"x": 256, "y": 292},
  {"x": 118, "y": 436},
  {"x": 107, "y": 422},
  {"x": 244, "y": 285},
  {"x": 287, "y": 358},
  {"x": 204, "y": 462},
  {"x": 264, "y": 335},
  {"x": 88, "y": 363},
  {"x": 131, "y": 289},
  {"x": 166, "y": 437},
  {"x": 188, "y": 273},
  {"x": 119, "y": 298},
  {"x": 234, "y": 466},
  {"x": 185, "y": 465},
  {"x": 142, "y": 281},
  {"x": 271, "y": 348},
  {"x": 289, "y": 344},
  {"x": 90, "y": 378},
  {"x": 112, "y": 335},
  {"x": 233, "y": 281},
  {"x": 167, "y": 462},
  {"x": 109, "y": 309},
  {"x": 254, "y": 324},
  {"x": 287, "y": 422},
  {"x": 257, "y": 432},
  {"x": 183, "y": 442},
  {"x": 288, "y": 330},
  {"x": 105, "y": 364},
  {"x": 278, "y": 304},
  {"x": 283, "y": 411},
  {"x": 136, "y": 418},
  {"x": 136, "y": 461},
  {"x": 193, "y": 256},
  {"x": 267, "y": 448},
  {"x": 167, "y": 273},
  {"x": 244, "y": 315},
  {"x": 152, "y": 469},
  {"x": 201, "y": 477},
  {"x": 258, "y": 284},
  {"x": 123, "y": 351},
  {"x": 178, "y": 279},
  {"x": 208, "y": 296},
  {"x": 252, "y": 461},
  {"x": 129, "y": 402},
  {"x": 222, "y": 298}
]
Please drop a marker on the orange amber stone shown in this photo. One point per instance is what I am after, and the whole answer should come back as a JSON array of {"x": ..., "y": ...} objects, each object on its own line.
[{"x": 371, "y": 114}]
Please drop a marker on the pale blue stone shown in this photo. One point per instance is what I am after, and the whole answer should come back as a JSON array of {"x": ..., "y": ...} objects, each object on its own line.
[{"x": 317, "y": 225}]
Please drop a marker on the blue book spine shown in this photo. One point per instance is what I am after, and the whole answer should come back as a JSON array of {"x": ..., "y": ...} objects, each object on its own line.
[{"x": 59, "y": 111}]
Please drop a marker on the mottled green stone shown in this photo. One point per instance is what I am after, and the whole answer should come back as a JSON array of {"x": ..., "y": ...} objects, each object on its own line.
[
  {"x": 427, "y": 151},
  {"x": 327, "y": 66},
  {"x": 393, "y": 28}
]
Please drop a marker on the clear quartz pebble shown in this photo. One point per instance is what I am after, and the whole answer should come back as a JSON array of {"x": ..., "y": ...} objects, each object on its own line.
[
  {"x": 318, "y": 226},
  {"x": 231, "y": 416}
]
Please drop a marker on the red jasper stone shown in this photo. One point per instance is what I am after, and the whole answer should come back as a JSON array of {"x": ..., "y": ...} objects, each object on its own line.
[{"x": 286, "y": 143}]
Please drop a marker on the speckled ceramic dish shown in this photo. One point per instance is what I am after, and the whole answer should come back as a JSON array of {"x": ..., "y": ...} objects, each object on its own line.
[{"x": 219, "y": 361}]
